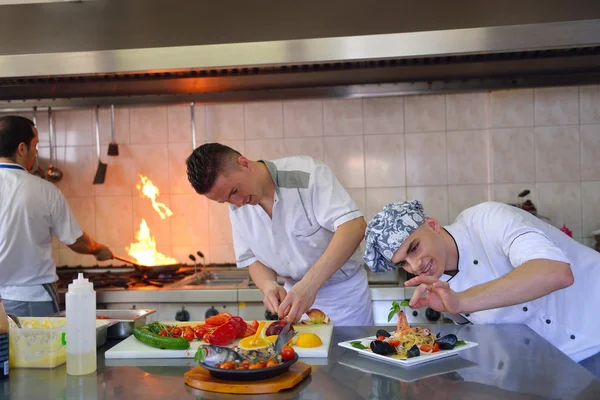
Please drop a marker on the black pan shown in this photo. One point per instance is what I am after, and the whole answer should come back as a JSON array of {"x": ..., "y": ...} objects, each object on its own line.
[{"x": 153, "y": 270}]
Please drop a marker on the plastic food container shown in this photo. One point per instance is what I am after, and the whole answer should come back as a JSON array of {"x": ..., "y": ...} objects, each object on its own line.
[{"x": 38, "y": 344}]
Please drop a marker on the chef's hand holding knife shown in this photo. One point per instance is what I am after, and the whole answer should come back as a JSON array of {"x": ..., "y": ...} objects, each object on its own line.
[
  {"x": 274, "y": 295},
  {"x": 299, "y": 299}
]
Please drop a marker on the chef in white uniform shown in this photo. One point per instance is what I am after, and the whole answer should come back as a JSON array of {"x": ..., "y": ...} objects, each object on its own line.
[
  {"x": 290, "y": 218},
  {"x": 495, "y": 264}
]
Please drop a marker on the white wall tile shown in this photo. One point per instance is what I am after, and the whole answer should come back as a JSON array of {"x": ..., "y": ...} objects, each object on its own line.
[
  {"x": 376, "y": 198},
  {"x": 152, "y": 162},
  {"x": 589, "y": 104},
  {"x": 312, "y": 146},
  {"x": 342, "y": 117},
  {"x": 224, "y": 122},
  {"x": 222, "y": 253},
  {"x": 263, "y": 120},
  {"x": 591, "y": 207},
  {"x": 179, "y": 123},
  {"x": 434, "y": 200},
  {"x": 384, "y": 115},
  {"x": 118, "y": 180},
  {"x": 513, "y": 156},
  {"x": 148, "y": 125},
  {"x": 346, "y": 157},
  {"x": 114, "y": 216},
  {"x": 467, "y": 111},
  {"x": 509, "y": 192},
  {"x": 425, "y": 113},
  {"x": 426, "y": 159},
  {"x": 189, "y": 223},
  {"x": 557, "y": 106},
  {"x": 512, "y": 108},
  {"x": 557, "y": 154},
  {"x": 121, "y": 127},
  {"x": 84, "y": 211},
  {"x": 461, "y": 197},
  {"x": 359, "y": 197},
  {"x": 78, "y": 165},
  {"x": 303, "y": 118},
  {"x": 561, "y": 202},
  {"x": 384, "y": 160},
  {"x": 73, "y": 128},
  {"x": 467, "y": 156},
  {"x": 265, "y": 149},
  {"x": 590, "y": 152},
  {"x": 178, "y": 180},
  {"x": 218, "y": 223}
]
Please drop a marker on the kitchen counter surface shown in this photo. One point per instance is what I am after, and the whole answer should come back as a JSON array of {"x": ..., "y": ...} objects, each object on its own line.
[{"x": 511, "y": 362}]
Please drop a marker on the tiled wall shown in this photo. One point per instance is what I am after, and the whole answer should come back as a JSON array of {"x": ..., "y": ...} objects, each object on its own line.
[{"x": 450, "y": 151}]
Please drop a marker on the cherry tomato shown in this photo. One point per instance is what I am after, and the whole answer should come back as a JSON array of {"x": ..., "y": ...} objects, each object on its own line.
[
  {"x": 272, "y": 363},
  {"x": 382, "y": 338},
  {"x": 176, "y": 332},
  {"x": 189, "y": 335},
  {"x": 425, "y": 348},
  {"x": 255, "y": 366},
  {"x": 436, "y": 347},
  {"x": 206, "y": 337},
  {"x": 287, "y": 353},
  {"x": 394, "y": 342},
  {"x": 228, "y": 365},
  {"x": 200, "y": 331},
  {"x": 163, "y": 332}
]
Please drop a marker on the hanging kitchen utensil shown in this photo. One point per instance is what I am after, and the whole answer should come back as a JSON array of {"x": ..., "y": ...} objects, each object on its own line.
[
  {"x": 36, "y": 169},
  {"x": 53, "y": 174},
  {"x": 101, "y": 170},
  {"x": 113, "y": 147},
  {"x": 192, "y": 104}
]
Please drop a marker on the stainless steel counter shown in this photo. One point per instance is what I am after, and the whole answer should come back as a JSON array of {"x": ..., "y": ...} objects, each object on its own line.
[{"x": 511, "y": 362}]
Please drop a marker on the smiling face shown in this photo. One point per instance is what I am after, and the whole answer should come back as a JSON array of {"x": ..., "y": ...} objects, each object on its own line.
[
  {"x": 238, "y": 186},
  {"x": 423, "y": 252}
]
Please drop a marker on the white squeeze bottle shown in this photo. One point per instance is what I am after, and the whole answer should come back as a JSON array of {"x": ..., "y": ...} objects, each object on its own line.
[{"x": 81, "y": 327}]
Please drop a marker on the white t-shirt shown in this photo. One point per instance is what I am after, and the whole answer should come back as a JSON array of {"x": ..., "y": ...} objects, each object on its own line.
[
  {"x": 32, "y": 210},
  {"x": 309, "y": 205},
  {"x": 495, "y": 238}
]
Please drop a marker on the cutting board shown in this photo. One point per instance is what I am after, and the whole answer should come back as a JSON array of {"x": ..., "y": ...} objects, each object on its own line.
[
  {"x": 200, "y": 378},
  {"x": 133, "y": 348}
]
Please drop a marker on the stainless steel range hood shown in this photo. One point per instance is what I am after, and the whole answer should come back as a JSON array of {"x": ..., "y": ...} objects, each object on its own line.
[{"x": 137, "y": 50}]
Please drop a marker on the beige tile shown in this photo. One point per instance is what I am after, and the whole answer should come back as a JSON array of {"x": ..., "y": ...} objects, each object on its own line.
[
  {"x": 345, "y": 156},
  {"x": 84, "y": 210},
  {"x": 237, "y": 145},
  {"x": 426, "y": 159},
  {"x": 118, "y": 180},
  {"x": 385, "y": 160},
  {"x": 114, "y": 216},
  {"x": 69, "y": 258},
  {"x": 219, "y": 224},
  {"x": 509, "y": 192},
  {"x": 557, "y": 106},
  {"x": 265, "y": 149},
  {"x": 384, "y": 115},
  {"x": 189, "y": 223},
  {"x": 182, "y": 254},
  {"x": 160, "y": 228},
  {"x": 591, "y": 207},
  {"x": 263, "y": 120},
  {"x": 222, "y": 254},
  {"x": 425, "y": 113},
  {"x": 589, "y": 242},
  {"x": 78, "y": 165},
  {"x": 342, "y": 117},
  {"x": 179, "y": 124},
  {"x": 434, "y": 200},
  {"x": 512, "y": 108},
  {"x": 178, "y": 180},
  {"x": 121, "y": 127},
  {"x": 468, "y": 156},
  {"x": 358, "y": 195},
  {"x": 73, "y": 128},
  {"x": 378, "y": 197},
  {"x": 512, "y": 153},
  {"x": 41, "y": 123},
  {"x": 312, "y": 146},
  {"x": 224, "y": 122},
  {"x": 590, "y": 152},
  {"x": 148, "y": 125},
  {"x": 557, "y": 154},
  {"x": 461, "y": 197},
  {"x": 561, "y": 202},
  {"x": 589, "y": 104},
  {"x": 467, "y": 111},
  {"x": 152, "y": 162},
  {"x": 302, "y": 118}
]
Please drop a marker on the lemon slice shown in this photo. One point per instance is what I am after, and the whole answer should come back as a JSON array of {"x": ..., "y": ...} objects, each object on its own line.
[
  {"x": 308, "y": 340},
  {"x": 258, "y": 341}
]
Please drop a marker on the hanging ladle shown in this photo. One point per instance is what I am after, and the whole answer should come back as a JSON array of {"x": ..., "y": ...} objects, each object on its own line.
[{"x": 53, "y": 174}]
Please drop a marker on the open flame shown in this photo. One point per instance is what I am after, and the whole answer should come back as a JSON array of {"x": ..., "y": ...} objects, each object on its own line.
[{"x": 144, "y": 251}]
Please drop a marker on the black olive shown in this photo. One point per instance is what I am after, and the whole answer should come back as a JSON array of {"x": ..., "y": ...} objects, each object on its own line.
[
  {"x": 413, "y": 352},
  {"x": 382, "y": 332},
  {"x": 447, "y": 342},
  {"x": 383, "y": 348}
]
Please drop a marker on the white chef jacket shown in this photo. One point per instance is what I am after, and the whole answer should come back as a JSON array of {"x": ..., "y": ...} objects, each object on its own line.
[
  {"x": 494, "y": 238},
  {"x": 309, "y": 205},
  {"x": 31, "y": 211}
]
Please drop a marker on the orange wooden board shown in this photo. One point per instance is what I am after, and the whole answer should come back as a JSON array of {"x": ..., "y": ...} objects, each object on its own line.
[{"x": 201, "y": 378}]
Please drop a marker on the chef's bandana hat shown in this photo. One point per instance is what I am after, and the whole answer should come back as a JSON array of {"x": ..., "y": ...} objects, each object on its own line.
[{"x": 388, "y": 230}]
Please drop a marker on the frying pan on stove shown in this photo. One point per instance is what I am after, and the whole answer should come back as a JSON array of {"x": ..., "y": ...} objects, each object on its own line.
[{"x": 153, "y": 270}]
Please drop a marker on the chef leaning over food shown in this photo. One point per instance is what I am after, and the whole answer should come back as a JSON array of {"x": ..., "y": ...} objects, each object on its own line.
[
  {"x": 495, "y": 264},
  {"x": 290, "y": 217},
  {"x": 32, "y": 210}
]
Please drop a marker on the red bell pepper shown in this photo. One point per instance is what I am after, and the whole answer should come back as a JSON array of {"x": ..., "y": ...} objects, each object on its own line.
[{"x": 225, "y": 334}]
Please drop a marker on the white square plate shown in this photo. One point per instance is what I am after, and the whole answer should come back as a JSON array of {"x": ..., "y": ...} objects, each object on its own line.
[{"x": 407, "y": 362}]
